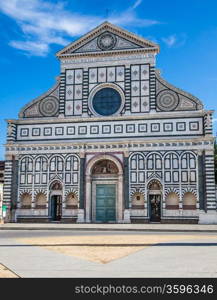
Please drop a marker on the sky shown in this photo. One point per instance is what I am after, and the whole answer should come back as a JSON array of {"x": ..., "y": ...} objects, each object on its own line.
[{"x": 32, "y": 31}]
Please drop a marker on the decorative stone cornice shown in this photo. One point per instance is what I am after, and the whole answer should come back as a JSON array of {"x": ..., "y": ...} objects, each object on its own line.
[
  {"x": 145, "y": 116},
  {"x": 196, "y": 144},
  {"x": 108, "y": 58},
  {"x": 109, "y": 53}
]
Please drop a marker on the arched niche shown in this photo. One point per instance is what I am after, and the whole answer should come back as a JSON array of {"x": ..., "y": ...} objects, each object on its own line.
[
  {"x": 189, "y": 201},
  {"x": 138, "y": 200},
  {"x": 71, "y": 201},
  {"x": 40, "y": 200},
  {"x": 172, "y": 201},
  {"x": 26, "y": 200}
]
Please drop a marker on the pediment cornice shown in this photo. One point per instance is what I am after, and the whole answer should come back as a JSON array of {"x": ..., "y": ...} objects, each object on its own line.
[{"x": 140, "y": 42}]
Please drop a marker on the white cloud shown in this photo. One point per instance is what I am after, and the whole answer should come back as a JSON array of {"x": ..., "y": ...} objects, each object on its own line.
[
  {"x": 129, "y": 18},
  {"x": 174, "y": 40},
  {"x": 136, "y": 4},
  {"x": 35, "y": 48},
  {"x": 44, "y": 23},
  {"x": 170, "y": 40}
]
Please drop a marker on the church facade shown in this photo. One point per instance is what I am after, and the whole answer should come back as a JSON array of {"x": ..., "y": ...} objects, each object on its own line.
[{"x": 111, "y": 141}]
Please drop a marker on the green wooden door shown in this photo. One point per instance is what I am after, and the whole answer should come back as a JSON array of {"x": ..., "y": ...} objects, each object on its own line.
[{"x": 105, "y": 202}]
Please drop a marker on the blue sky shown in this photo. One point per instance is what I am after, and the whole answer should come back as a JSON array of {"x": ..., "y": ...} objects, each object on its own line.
[{"x": 32, "y": 31}]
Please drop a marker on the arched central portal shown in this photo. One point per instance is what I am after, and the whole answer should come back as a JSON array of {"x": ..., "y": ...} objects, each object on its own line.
[
  {"x": 104, "y": 203},
  {"x": 104, "y": 183}
]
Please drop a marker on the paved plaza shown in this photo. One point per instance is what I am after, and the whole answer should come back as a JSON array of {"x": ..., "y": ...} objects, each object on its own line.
[{"x": 76, "y": 254}]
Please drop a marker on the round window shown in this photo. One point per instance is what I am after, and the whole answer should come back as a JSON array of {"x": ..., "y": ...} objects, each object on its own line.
[{"x": 106, "y": 102}]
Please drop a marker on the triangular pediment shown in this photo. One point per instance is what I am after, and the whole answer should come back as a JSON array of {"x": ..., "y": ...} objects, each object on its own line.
[{"x": 107, "y": 37}]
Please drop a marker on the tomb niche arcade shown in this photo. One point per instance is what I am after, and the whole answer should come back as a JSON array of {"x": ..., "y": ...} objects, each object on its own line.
[{"x": 111, "y": 141}]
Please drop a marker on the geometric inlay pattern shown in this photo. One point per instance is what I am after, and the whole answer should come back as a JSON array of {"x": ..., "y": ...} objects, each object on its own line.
[
  {"x": 106, "y": 41},
  {"x": 49, "y": 106},
  {"x": 167, "y": 100}
]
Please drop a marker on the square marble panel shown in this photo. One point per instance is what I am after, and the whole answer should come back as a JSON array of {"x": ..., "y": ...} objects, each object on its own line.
[
  {"x": 78, "y": 76},
  {"x": 82, "y": 130},
  {"x": 111, "y": 74},
  {"x": 78, "y": 91},
  {"x": 194, "y": 126},
  {"x": 69, "y": 76},
  {"x": 69, "y": 92},
  {"x": 135, "y": 104},
  {"x": 118, "y": 128},
  {"x": 106, "y": 129},
  {"x": 92, "y": 75},
  {"x": 145, "y": 104},
  {"x": 130, "y": 128},
  {"x": 70, "y": 130},
  {"x": 144, "y": 88},
  {"x": 59, "y": 131},
  {"x": 101, "y": 74},
  {"x": 180, "y": 126},
  {"x": 36, "y": 131},
  {"x": 135, "y": 88},
  {"x": 77, "y": 107},
  {"x": 24, "y": 132},
  {"x": 69, "y": 105},
  {"x": 144, "y": 72},
  {"x": 47, "y": 131},
  {"x": 94, "y": 129},
  {"x": 142, "y": 127},
  {"x": 168, "y": 127},
  {"x": 135, "y": 72},
  {"x": 155, "y": 127},
  {"x": 120, "y": 73}
]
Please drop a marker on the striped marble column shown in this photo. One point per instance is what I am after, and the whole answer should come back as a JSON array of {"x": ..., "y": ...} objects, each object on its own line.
[
  {"x": 210, "y": 180},
  {"x": 62, "y": 93},
  {"x": 152, "y": 88},
  {"x": 82, "y": 179},
  {"x": 11, "y": 133},
  {"x": 85, "y": 91},
  {"x": 126, "y": 181},
  {"x": 7, "y": 191},
  {"x": 201, "y": 185},
  {"x": 127, "y": 90},
  {"x": 208, "y": 124}
]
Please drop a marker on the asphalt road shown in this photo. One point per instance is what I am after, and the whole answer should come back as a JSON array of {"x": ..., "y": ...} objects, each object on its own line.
[
  {"x": 42, "y": 233},
  {"x": 180, "y": 255}
]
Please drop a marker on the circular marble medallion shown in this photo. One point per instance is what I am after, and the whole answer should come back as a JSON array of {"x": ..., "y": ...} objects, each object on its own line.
[
  {"x": 49, "y": 106},
  {"x": 106, "y": 41},
  {"x": 167, "y": 100}
]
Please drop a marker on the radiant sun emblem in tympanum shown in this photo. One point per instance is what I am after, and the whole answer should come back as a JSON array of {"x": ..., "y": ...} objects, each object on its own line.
[{"x": 106, "y": 41}]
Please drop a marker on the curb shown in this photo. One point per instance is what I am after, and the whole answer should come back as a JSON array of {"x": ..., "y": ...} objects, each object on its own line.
[{"x": 109, "y": 229}]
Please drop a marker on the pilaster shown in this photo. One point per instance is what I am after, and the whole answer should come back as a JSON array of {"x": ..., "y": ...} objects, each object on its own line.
[
  {"x": 201, "y": 185},
  {"x": 126, "y": 179},
  {"x": 210, "y": 180},
  {"x": 152, "y": 88},
  {"x": 10, "y": 184},
  {"x": 62, "y": 93},
  {"x": 82, "y": 180}
]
